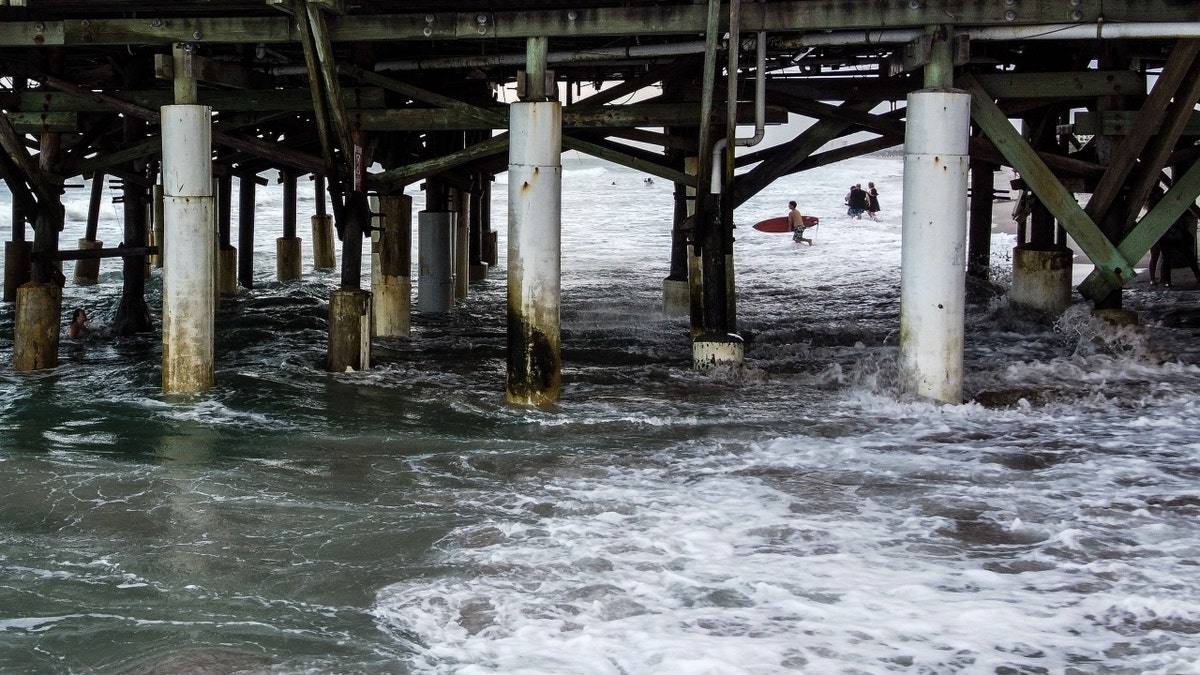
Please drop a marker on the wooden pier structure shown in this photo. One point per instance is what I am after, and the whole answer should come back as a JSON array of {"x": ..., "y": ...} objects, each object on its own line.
[{"x": 173, "y": 100}]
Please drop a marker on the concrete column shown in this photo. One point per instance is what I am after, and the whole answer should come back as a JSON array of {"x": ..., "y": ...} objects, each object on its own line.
[
  {"x": 287, "y": 247},
  {"x": 322, "y": 238},
  {"x": 462, "y": 244},
  {"x": 349, "y": 330},
  {"x": 227, "y": 261},
  {"x": 435, "y": 261},
  {"x": 534, "y": 252},
  {"x": 36, "y": 333},
  {"x": 190, "y": 265},
  {"x": 287, "y": 258},
  {"x": 391, "y": 289},
  {"x": 1042, "y": 279},
  {"x": 18, "y": 255},
  {"x": 933, "y": 241},
  {"x": 87, "y": 272}
]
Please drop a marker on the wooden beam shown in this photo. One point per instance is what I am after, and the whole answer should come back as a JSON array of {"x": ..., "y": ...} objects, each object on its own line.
[
  {"x": 333, "y": 88},
  {"x": 1086, "y": 84},
  {"x": 211, "y": 71},
  {"x": 250, "y": 100},
  {"x": 1123, "y": 160},
  {"x": 493, "y": 118},
  {"x": 673, "y": 69},
  {"x": 1179, "y": 198},
  {"x": 634, "y": 115},
  {"x": 320, "y": 111},
  {"x": 1153, "y": 160},
  {"x": 610, "y": 152},
  {"x": 786, "y": 156},
  {"x": 1123, "y": 123},
  {"x": 96, "y": 253},
  {"x": 1113, "y": 267},
  {"x": 666, "y": 20},
  {"x": 45, "y": 122},
  {"x": 25, "y": 167},
  {"x": 395, "y": 179}
]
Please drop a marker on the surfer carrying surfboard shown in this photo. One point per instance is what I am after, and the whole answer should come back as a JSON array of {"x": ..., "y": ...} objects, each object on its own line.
[{"x": 796, "y": 222}]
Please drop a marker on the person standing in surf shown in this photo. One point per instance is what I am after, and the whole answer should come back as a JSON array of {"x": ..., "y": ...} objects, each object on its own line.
[
  {"x": 872, "y": 201},
  {"x": 857, "y": 201},
  {"x": 796, "y": 223}
]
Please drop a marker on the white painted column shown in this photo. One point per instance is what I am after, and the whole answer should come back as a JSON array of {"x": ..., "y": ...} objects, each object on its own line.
[
  {"x": 189, "y": 275},
  {"x": 534, "y": 252},
  {"x": 933, "y": 244},
  {"x": 435, "y": 261}
]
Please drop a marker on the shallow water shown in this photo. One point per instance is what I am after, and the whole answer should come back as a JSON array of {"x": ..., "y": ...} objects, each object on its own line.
[{"x": 796, "y": 516}]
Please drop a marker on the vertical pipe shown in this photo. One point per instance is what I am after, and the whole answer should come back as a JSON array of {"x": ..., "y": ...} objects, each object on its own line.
[
  {"x": 933, "y": 237},
  {"x": 246, "y": 204},
  {"x": 188, "y": 302},
  {"x": 534, "y": 252}
]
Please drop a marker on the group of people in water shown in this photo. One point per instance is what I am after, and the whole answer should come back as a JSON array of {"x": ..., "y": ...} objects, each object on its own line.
[{"x": 860, "y": 201}]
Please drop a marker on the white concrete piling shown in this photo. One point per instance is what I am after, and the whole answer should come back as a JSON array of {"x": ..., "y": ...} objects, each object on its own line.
[
  {"x": 189, "y": 215},
  {"x": 933, "y": 244},
  {"x": 534, "y": 252}
]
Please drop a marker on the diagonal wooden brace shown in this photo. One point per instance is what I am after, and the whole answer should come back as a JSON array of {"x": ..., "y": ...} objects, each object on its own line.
[
  {"x": 1113, "y": 268},
  {"x": 1151, "y": 227}
]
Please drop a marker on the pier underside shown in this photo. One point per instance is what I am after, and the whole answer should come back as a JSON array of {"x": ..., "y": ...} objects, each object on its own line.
[{"x": 378, "y": 97}]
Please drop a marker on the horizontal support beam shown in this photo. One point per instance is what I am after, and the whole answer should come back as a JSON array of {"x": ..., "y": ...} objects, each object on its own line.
[
  {"x": 1120, "y": 123},
  {"x": 662, "y": 20},
  {"x": 36, "y": 123},
  {"x": 253, "y": 100},
  {"x": 1057, "y": 86},
  {"x": 573, "y": 117},
  {"x": 1178, "y": 199},
  {"x": 96, "y": 253}
]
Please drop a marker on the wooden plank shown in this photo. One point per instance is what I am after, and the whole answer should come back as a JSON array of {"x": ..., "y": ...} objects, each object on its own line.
[
  {"x": 250, "y": 100},
  {"x": 1153, "y": 159},
  {"x": 396, "y": 179},
  {"x": 96, "y": 253},
  {"x": 1085, "y": 84},
  {"x": 333, "y": 88},
  {"x": 1114, "y": 269},
  {"x": 320, "y": 114},
  {"x": 785, "y": 156},
  {"x": 682, "y": 19},
  {"x": 1130, "y": 148},
  {"x": 495, "y": 118},
  {"x": 637, "y": 115},
  {"x": 661, "y": 73},
  {"x": 1122, "y": 123},
  {"x": 627, "y": 159},
  {"x": 33, "y": 123},
  {"x": 1181, "y": 197}
]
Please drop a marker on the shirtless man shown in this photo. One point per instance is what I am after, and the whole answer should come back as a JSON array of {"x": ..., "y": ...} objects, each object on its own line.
[{"x": 796, "y": 223}]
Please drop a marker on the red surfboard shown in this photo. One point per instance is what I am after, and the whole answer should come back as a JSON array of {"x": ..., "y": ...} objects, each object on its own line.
[{"x": 780, "y": 224}]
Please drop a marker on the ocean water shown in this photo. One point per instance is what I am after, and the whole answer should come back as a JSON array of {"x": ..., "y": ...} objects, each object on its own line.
[{"x": 793, "y": 516}]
